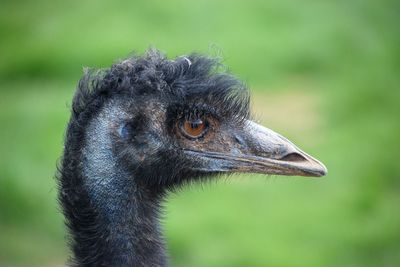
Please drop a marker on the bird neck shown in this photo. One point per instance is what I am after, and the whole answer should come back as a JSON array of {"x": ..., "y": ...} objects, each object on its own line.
[
  {"x": 127, "y": 230},
  {"x": 113, "y": 220},
  {"x": 124, "y": 231}
]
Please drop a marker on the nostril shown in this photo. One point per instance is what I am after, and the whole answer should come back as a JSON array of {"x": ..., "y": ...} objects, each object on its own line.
[
  {"x": 293, "y": 157},
  {"x": 239, "y": 140}
]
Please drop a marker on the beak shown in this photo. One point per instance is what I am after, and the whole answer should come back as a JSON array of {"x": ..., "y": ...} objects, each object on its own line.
[{"x": 257, "y": 149}]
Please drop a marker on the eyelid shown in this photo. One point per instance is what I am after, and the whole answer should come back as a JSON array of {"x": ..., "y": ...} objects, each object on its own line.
[{"x": 200, "y": 110}]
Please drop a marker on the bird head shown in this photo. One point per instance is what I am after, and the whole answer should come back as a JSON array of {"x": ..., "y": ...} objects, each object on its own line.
[{"x": 174, "y": 121}]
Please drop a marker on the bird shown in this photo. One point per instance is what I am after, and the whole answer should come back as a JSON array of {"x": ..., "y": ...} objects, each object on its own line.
[{"x": 147, "y": 126}]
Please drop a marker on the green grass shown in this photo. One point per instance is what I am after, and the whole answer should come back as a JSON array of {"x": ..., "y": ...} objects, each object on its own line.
[{"x": 345, "y": 54}]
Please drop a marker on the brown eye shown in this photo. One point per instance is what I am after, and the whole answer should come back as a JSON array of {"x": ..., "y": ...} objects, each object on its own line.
[{"x": 194, "y": 129}]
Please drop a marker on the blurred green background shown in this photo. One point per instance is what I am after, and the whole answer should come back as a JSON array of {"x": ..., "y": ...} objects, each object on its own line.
[{"x": 324, "y": 73}]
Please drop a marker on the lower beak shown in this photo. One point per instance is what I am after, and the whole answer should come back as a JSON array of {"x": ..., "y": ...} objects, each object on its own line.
[{"x": 261, "y": 150}]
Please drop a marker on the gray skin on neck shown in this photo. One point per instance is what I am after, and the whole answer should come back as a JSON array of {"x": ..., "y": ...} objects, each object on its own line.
[
  {"x": 105, "y": 179},
  {"x": 129, "y": 214}
]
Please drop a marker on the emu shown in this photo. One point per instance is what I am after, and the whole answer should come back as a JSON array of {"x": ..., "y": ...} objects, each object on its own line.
[{"x": 147, "y": 126}]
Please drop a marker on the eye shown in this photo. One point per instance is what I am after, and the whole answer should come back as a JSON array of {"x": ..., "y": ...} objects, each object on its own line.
[{"x": 194, "y": 129}]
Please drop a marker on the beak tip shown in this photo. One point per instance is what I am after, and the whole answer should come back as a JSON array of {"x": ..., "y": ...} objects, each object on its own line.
[{"x": 321, "y": 171}]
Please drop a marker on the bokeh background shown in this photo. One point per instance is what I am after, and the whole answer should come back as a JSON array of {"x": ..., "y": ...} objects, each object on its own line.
[{"x": 324, "y": 73}]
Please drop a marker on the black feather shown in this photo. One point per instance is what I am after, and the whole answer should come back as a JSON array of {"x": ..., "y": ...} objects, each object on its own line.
[{"x": 196, "y": 83}]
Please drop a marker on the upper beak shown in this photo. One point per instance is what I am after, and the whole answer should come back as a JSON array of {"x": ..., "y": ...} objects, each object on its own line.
[
  {"x": 260, "y": 150},
  {"x": 269, "y": 152}
]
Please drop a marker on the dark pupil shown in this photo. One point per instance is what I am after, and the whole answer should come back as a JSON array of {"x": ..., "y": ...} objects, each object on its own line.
[{"x": 195, "y": 124}]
